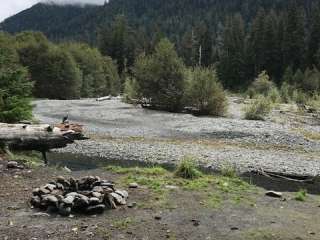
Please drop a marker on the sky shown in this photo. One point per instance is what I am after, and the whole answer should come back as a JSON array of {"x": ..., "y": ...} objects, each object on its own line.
[{"x": 11, "y": 7}]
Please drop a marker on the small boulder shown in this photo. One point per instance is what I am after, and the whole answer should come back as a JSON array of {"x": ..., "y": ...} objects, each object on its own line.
[
  {"x": 118, "y": 199},
  {"x": 94, "y": 201},
  {"x": 96, "y": 194},
  {"x": 133, "y": 185},
  {"x": 274, "y": 194},
  {"x": 12, "y": 164},
  {"x": 64, "y": 210},
  {"x": 68, "y": 200},
  {"x": 97, "y": 209}
]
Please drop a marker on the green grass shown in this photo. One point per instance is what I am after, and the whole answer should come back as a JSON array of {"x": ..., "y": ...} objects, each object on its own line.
[
  {"x": 211, "y": 188},
  {"x": 123, "y": 224},
  {"x": 301, "y": 195},
  {"x": 187, "y": 169},
  {"x": 31, "y": 159}
]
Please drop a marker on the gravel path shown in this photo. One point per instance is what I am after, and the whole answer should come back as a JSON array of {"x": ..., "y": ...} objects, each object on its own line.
[{"x": 122, "y": 131}]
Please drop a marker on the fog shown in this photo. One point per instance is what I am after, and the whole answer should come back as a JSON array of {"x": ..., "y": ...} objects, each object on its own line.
[{"x": 12, "y": 7}]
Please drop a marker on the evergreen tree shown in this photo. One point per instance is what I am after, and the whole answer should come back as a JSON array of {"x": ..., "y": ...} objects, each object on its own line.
[
  {"x": 232, "y": 67},
  {"x": 161, "y": 77},
  {"x": 15, "y": 86},
  {"x": 314, "y": 37},
  {"x": 294, "y": 37}
]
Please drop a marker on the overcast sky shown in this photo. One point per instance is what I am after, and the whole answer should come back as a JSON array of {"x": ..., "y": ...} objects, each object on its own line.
[{"x": 11, "y": 7}]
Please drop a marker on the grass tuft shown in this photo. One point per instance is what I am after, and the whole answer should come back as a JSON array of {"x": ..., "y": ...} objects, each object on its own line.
[
  {"x": 188, "y": 169},
  {"x": 301, "y": 195}
]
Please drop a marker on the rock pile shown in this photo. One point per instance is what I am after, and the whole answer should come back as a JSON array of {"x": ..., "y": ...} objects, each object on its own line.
[{"x": 89, "y": 195}]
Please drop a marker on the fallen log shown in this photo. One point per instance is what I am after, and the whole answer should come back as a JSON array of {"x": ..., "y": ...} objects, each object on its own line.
[{"x": 39, "y": 137}]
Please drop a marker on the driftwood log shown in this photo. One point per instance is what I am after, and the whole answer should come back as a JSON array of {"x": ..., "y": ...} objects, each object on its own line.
[{"x": 39, "y": 137}]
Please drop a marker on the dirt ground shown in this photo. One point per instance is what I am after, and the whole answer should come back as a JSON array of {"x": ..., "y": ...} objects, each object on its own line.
[{"x": 201, "y": 212}]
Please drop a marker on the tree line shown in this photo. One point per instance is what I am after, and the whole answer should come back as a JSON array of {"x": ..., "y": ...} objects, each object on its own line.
[{"x": 32, "y": 66}]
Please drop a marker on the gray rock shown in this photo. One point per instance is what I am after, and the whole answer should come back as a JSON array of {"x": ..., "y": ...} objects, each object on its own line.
[
  {"x": 123, "y": 193},
  {"x": 12, "y": 164},
  {"x": 44, "y": 191},
  {"x": 64, "y": 210},
  {"x": 51, "y": 199},
  {"x": 94, "y": 201},
  {"x": 119, "y": 199},
  {"x": 108, "y": 200},
  {"x": 133, "y": 185},
  {"x": 35, "y": 201},
  {"x": 96, "y": 194},
  {"x": 68, "y": 200},
  {"x": 50, "y": 187},
  {"x": 97, "y": 209},
  {"x": 98, "y": 189}
]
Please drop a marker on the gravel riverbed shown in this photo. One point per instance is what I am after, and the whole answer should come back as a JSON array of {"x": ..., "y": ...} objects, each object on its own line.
[{"x": 125, "y": 132}]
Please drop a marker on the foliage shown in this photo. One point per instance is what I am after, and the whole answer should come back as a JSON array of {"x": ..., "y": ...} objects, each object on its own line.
[
  {"x": 259, "y": 109},
  {"x": 205, "y": 93},
  {"x": 60, "y": 77},
  {"x": 261, "y": 85},
  {"x": 187, "y": 169},
  {"x": 301, "y": 195},
  {"x": 161, "y": 77},
  {"x": 131, "y": 90},
  {"x": 15, "y": 86}
]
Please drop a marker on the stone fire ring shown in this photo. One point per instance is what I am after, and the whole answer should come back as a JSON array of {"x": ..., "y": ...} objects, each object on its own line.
[{"x": 88, "y": 195}]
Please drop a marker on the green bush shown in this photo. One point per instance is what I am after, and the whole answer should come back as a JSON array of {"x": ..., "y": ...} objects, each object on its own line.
[
  {"x": 299, "y": 96},
  {"x": 286, "y": 92},
  {"x": 205, "y": 93},
  {"x": 301, "y": 195},
  {"x": 259, "y": 109},
  {"x": 262, "y": 85},
  {"x": 131, "y": 90},
  {"x": 311, "y": 80},
  {"x": 274, "y": 95},
  {"x": 15, "y": 85},
  {"x": 187, "y": 169},
  {"x": 161, "y": 77}
]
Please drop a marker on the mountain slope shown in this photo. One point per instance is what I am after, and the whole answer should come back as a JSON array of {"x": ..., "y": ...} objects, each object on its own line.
[{"x": 170, "y": 17}]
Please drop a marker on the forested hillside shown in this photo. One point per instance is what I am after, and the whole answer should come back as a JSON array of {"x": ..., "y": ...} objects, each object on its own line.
[{"x": 246, "y": 36}]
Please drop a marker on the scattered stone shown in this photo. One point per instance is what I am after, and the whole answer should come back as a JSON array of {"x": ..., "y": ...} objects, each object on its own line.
[
  {"x": 40, "y": 214},
  {"x": 12, "y": 164},
  {"x": 133, "y": 185},
  {"x": 234, "y": 228},
  {"x": 170, "y": 187},
  {"x": 157, "y": 217},
  {"x": 96, "y": 194},
  {"x": 274, "y": 194}
]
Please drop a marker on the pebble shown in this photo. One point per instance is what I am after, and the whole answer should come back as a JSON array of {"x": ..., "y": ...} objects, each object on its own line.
[
  {"x": 133, "y": 185},
  {"x": 274, "y": 194}
]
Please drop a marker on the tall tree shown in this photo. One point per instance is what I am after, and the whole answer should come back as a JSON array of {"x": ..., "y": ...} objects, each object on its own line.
[
  {"x": 161, "y": 77},
  {"x": 293, "y": 45},
  {"x": 15, "y": 85},
  {"x": 232, "y": 67}
]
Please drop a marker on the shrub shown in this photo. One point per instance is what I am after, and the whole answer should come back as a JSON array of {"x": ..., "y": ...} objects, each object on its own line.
[
  {"x": 259, "y": 109},
  {"x": 187, "y": 169},
  {"x": 299, "y": 97},
  {"x": 205, "y": 93},
  {"x": 274, "y": 95},
  {"x": 262, "y": 85},
  {"x": 131, "y": 90},
  {"x": 301, "y": 195},
  {"x": 15, "y": 85},
  {"x": 311, "y": 80},
  {"x": 161, "y": 77},
  {"x": 286, "y": 92}
]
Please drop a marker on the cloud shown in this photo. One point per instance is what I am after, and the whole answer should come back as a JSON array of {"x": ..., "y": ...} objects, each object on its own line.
[
  {"x": 11, "y": 7},
  {"x": 96, "y": 2}
]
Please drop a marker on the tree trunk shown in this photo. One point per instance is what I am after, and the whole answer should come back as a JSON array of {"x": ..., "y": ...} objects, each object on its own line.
[{"x": 40, "y": 137}]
